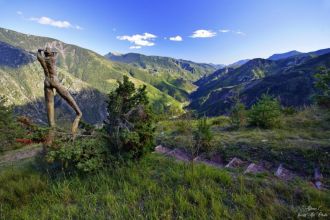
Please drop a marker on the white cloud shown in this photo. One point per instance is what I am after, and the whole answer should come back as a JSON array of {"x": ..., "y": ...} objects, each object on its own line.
[
  {"x": 240, "y": 33},
  {"x": 203, "y": 34},
  {"x": 51, "y": 22},
  {"x": 55, "y": 23},
  {"x": 235, "y": 32},
  {"x": 176, "y": 38},
  {"x": 79, "y": 28},
  {"x": 134, "y": 47},
  {"x": 139, "y": 40},
  {"x": 19, "y": 13}
]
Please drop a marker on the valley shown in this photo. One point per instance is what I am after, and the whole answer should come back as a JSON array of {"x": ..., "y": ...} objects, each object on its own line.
[{"x": 172, "y": 84}]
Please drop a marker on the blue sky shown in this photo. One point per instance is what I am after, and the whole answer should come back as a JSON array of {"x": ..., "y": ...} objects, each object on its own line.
[{"x": 217, "y": 31}]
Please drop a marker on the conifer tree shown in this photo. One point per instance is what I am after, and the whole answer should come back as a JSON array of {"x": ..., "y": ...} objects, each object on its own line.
[
  {"x": 323, "y": 84},
  {"x": 130, "y": 122},
  {"x": 266, "y": 112}
]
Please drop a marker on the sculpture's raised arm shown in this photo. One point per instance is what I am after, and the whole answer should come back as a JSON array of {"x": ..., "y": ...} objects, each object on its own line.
[
  {"x": 39, "y": 54},
  {"x": 41, "y": 59}
]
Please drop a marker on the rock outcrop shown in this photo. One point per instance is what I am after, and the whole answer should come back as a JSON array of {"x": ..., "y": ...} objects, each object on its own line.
[
  {"x": 234, "y": 163},
  {"x": 162, "y": 150},
  {"x": 254, "y": 169},
  {"x": 317, "y": 178},
  {"x": 284, "y": 173}
]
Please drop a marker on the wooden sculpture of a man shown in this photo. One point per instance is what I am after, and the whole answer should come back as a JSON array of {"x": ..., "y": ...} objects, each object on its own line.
[{"x": 47, "y": 59}]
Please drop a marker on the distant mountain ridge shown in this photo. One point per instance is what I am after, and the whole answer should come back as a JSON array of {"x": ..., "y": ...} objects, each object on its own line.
[
  {"x": 295, "y": 53},
  {"x": 164, "y": 63},
  {"x": 238, "y": 63},
  {"x": 289, "y": 79},
  {"x": 279, "y": 56}
]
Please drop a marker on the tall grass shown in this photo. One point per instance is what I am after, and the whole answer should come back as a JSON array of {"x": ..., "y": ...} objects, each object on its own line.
[{"x": 154, "y": 188}]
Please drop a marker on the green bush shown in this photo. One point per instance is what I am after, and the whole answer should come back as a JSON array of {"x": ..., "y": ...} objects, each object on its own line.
[
  {"x": 265, "y": 113},
  {"x": 221, "y": 121},
  {"x": 289, "y": 110},
  {"x": 203, "y": 135},
  {"x": 185, "y": 125},
  {"x": 84, "y": 154},
  {"x": 128, "y": 134},
  {"x": 323, "y": 84},
  {"x": 238, "y": 115},
  {"x": 87, "y": 128},
  {"x": 194, "y": 139},
  {"x": 9, "y": 128},
  {"x": 130, "y": 122}
]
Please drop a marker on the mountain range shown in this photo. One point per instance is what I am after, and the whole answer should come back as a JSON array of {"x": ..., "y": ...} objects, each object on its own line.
[
  {"x": 288, "y": 77},
  {"x": 171, "y": 83},
  {"x": 88, "y": 76}
]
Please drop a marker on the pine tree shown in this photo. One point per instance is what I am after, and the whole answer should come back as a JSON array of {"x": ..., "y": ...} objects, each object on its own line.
[
  {"x": 323, "y": 84},
  {"x": 266, "y": 112},
  {"x": 238, "y": 115},
  {"x": 203, "y": 135},
  {"x": 130, "y": 121}
]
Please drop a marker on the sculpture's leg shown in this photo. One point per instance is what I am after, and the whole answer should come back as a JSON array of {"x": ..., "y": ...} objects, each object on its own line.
[
  {"x": 49, "y": 96},
  {"x": 69, "y": 99}
]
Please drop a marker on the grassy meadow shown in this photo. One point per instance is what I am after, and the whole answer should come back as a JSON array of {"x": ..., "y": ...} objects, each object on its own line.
[
  {"x": 154, "y": 188},
  {"x": 158, "y": 187}
]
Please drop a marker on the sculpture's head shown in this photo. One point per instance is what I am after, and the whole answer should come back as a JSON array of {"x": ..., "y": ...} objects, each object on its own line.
[{"x": 48, "y": 51}]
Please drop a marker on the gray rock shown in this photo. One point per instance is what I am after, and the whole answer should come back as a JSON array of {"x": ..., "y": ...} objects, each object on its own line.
[
  {"x": 283, "y": 173},
  {"x": 317, "y": 178},
  {"x": 317, "y": 174},
  {"x": 254, "y": 168},
  {"x": 318, "y": 184},
  {"x": 235, "y": 162},
  {"x": 162, "y": 150},
  {"x": 179, "y": 154}
]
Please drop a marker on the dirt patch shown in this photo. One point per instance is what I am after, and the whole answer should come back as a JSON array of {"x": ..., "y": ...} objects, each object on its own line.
[{"x": 24, "y": 153}]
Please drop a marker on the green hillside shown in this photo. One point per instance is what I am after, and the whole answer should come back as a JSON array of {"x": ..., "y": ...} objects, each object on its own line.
[
  {"x": 79, "y": 69},
  {"x": 165, "y": 65},
  {"x": 175, "y": 76}
]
